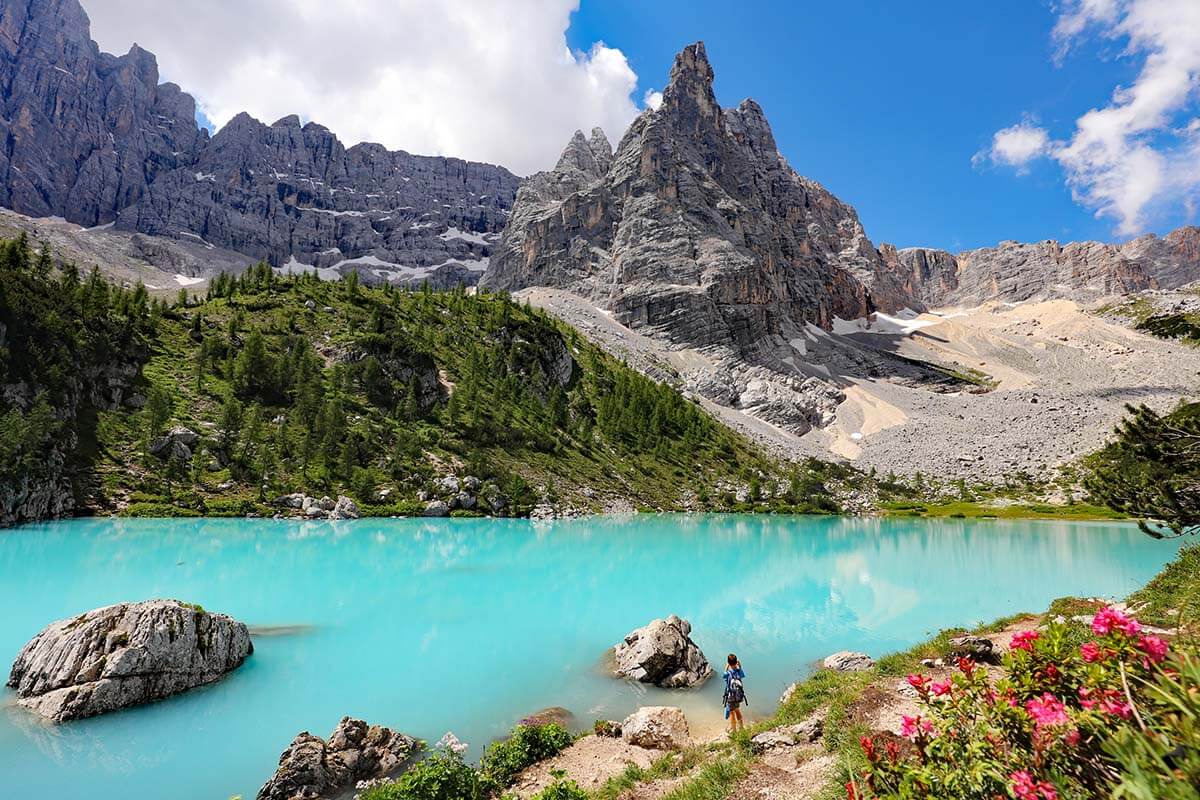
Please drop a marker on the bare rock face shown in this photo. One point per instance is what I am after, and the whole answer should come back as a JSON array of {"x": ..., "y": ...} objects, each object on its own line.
[
  {"x": 125, "y": 655},
  {"x": 696, "y": 229},
  {"x": 1014, "y": 272},
  {"x": 312, "y": 768},
  {"x": 664, "y": 654},
  {"x": 95, "y": 138},
  {"x": 656, "y": 728}
]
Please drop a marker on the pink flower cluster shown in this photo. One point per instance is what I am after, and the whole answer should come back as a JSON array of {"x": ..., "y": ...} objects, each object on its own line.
[
  {"x": 912, "y": 727},
  {"x": 1026, "y": 788},
  {"x": 1047, "y": 710},
  {"x": 1108, "y": 619},
  {"x": 1110, "y": 701},
  {"x": 940, "y": 689},
  {"x": 1154, "y": 648},
  {"x": 1024, "y": 640}
]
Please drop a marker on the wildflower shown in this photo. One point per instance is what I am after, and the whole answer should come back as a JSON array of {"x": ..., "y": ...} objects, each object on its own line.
[
  {"x": 966, "y": 665},
  {"x": 1026, "y": 788},
  {"x": 1024, "y": 640},
  {"x": 912, "y": 727},
  {"x": 868, "y": 746},
  {"x": 1091, "y": 652},
  {"x": 918, "y": 682},
  {"x": 1115, "y": 707},
  {"x": 1046, "y": 710},
  {"x": 1072, "y": 737},
  {"x": 940, "y": 689},
  {"x": 1154, "y": 648},
  {"x": 1109, "y": 619},
  {"x": 893, "y": 751},
  {"x": 852, "y": 792}
]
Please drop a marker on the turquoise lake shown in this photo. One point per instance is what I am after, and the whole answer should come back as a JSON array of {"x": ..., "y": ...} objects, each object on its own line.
[{"x": 468, "y": 625}]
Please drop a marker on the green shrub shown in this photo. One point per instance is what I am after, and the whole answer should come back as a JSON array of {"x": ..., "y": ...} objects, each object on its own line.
[
  {"x": 158, "y": 510},
  {"x": 1162, "y": 762},
  {"x": 561, "y": 789},
  {"x": 525, "y": 746},
  {"x": 442, "y": 776}
]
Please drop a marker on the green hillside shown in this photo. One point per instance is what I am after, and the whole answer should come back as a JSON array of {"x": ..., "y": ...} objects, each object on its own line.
[{"x": 299, "y": 385}]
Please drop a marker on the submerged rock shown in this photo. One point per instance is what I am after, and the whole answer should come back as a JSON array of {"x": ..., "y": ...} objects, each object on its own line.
[
  {"x": 125, "y": 655},
  {"x": 656, "y": 728},
  {"x": 312, "y": 768},
  {"x": 664, "y": 654},
  {"x": 556, "y": 715},
  {"x": 847, "y": 661}
]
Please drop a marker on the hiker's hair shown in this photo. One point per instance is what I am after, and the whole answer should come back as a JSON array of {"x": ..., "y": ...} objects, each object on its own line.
[{"x": 732, "y": 660}]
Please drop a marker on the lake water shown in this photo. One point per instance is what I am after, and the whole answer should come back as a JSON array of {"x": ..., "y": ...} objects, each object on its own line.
[{"x": 468, "y": 625}]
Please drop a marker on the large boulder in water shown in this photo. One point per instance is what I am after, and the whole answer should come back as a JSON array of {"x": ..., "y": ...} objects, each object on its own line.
[
  {"x": 664, "y": 654},
  {"x": 848, "y": 661},
  {"x": 312, "y": 767},
  {"x": 124, "y": 655}
]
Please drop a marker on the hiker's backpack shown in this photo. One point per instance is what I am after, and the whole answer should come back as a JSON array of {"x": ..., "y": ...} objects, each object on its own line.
[{"x": 735, "y": 693}]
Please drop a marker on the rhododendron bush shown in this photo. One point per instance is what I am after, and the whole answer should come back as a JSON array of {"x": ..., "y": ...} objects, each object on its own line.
[{"x": 1118, "y": 716}]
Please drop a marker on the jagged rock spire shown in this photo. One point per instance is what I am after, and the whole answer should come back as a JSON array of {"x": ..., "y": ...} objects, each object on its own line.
[{"x": 592, "y": 158}]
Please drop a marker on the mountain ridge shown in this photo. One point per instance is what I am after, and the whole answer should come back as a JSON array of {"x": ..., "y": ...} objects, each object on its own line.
[{"x": 95, "y": 139}]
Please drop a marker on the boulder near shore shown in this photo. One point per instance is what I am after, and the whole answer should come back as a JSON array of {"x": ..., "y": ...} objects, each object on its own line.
[
  {"x": 656, "y": 728},
  {"x": 312, "y": 767},
  {"x": 662, "y": 653},
  {"x": 125, "y": 655}
]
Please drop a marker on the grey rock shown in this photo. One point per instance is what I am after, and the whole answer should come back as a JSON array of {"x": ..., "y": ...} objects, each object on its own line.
[
  {"x": 344, "y": 508},
  {"x": 312, "y": 767},
  {"x": 976, "y": 647},
  {"x": 805, "y": 732},
  {"x": 125, "y": 655},
  {"x": 847, "y": 661},
  {"x": 436, "y": 508},
  {"x": 662, "y": 653},
  {"x": 471, "y": 483},
  {"x": 449, "y": 485},
  {"x": 464, "y": 500},
  {"x": 176, "y": 444},
  {"x": 656, "y": 728}
]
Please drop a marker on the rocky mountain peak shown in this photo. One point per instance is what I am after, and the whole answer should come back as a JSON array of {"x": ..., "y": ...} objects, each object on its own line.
[
  {"x": 688, "y": 100},
  {"x": 591, "y": 157}
]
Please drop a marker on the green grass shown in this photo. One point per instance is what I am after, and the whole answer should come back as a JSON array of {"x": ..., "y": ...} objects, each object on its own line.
[
  {"x": 974, "y": 510},
  {"x": 1173, "y": 597},
  {"x": 714, "y": 781},
  {"x": 671, "y": 765}
]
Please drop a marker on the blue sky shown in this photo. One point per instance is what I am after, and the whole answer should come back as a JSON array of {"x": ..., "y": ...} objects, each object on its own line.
[{"x": 887, "y": 103}]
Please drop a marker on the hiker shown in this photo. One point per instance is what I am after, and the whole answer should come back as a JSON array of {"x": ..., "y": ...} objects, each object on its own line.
[{"x": 735, "y": 693}]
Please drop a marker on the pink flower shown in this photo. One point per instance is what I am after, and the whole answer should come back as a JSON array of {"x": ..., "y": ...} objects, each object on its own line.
[
  {"x": 1118, "y": 708},
  {"x": 1023, "y": 786},
  {"x": 1109, "y": 619},
  {"x": 1046, "y": 710},
  {"x": 1026, "y": 788},
  {"x": 912, "y": 727},
  {"x": 1072, "y": 737},
  {"x": 940, "y": 689},
  {"x": 917, "y": 682},
  {"x": 1024, "y": 640},
  {"x": 1154, "y": 648},
  {"x": 1091, "y": 652}
]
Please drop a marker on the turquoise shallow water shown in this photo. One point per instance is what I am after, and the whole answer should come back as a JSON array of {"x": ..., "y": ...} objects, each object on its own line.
[{"x": 467, "y": 625}]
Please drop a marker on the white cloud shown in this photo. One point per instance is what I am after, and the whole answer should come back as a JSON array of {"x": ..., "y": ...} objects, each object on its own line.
[
  {"x": 1138, "y": 154},
  {"x": 489, "y": 81},
  {"x": 652, "y": 99},
  {"x": 1017, "y": 146}
]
